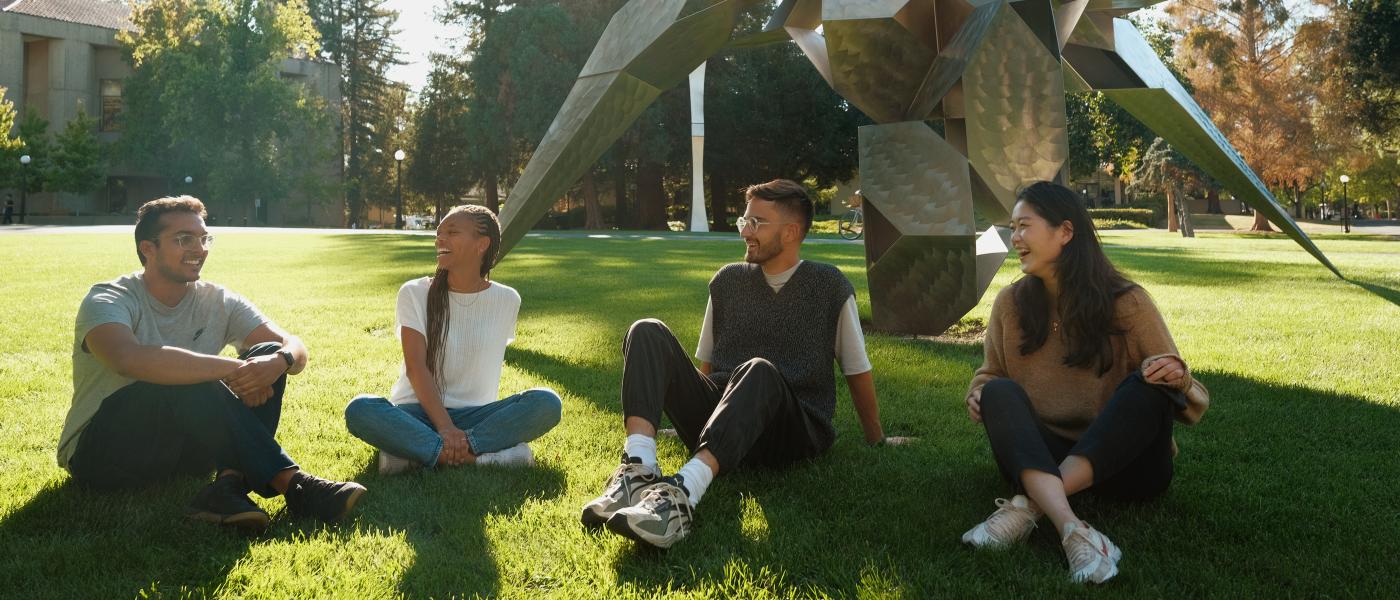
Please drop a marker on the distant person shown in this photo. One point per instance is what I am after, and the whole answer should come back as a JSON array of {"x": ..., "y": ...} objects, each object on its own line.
[
  {"x": 1079, "y": 386},
  {"x": 765, "y": 392},
  {"x": 454, "y": 328},
  {"x": 9, "y": 212},
  {"x": 152, "y": 398}
]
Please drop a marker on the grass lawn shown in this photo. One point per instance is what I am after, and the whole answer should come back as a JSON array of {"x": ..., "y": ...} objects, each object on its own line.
[{"x": 1286, "y": 488}]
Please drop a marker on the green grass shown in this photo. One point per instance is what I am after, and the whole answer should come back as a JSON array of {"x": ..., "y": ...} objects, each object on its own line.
[{"x": 1287, "y": 487}]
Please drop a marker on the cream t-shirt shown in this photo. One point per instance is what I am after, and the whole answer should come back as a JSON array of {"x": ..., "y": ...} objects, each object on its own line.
[{"x": 479, "y": 327}]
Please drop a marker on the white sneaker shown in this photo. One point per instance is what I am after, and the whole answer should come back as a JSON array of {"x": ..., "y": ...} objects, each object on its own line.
[
  {"x": 1010, "y": 524},
  {"x": 518, "y": 455},
  {"x": 393, "y": 465},
  {"x": 1091, "y": 556}
]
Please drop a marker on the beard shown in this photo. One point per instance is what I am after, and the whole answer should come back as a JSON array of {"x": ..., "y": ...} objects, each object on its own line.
[{"x": 762, "y": 253}]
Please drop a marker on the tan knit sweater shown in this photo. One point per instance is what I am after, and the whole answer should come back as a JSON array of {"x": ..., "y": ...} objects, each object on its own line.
[{"x": 1068, "y": 398}]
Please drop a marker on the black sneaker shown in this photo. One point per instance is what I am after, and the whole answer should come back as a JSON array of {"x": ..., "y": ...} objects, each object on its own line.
[
  {"x": 310, "y": 496},
  {"x": 225, "y": 502}
]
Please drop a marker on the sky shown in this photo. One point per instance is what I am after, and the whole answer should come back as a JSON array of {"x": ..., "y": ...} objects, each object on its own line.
[{"x": 418, "y": 36}]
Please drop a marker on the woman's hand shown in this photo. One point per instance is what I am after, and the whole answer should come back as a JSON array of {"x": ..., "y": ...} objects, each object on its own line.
[
  {"x": 455, "y": 448},
  {"x": 1168, "y": 371},
  {"x": 974, "y": 405}
]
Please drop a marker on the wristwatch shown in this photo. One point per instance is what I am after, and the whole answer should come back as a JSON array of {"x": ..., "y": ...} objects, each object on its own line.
[{"x": 287, "y": 356}]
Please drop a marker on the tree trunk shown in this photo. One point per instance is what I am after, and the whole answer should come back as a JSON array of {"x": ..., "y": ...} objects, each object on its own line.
[
  {"x": 651, "y": 196},
  {"x": 1172, "y": 201},
  {"x": 593, "y": 214},
  {"x": 1261, "y": 222},
  {"x": 620, "y": 191},
  {"x": 1213, "y": 202},
  {"x": 493, "y": 194},
  {"x": 1297, "y": 203},
  {"x": 441, "y": 208},
  {"x": 719, "y": 202}
]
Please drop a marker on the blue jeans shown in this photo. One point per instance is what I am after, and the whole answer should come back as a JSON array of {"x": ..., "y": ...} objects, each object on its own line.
[{"x": 405, "y": 430}]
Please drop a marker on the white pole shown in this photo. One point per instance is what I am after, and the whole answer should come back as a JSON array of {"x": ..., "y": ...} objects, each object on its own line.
[{"x": 698, "y": 219}]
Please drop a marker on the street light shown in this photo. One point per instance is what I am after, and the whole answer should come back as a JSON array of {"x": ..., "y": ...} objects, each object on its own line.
[
  {"x": 188, "y": 180},
  {"x": 398, "y": 183},
  {"x": 23, "y": 186},
  {"x": 1346, "y": 215}
]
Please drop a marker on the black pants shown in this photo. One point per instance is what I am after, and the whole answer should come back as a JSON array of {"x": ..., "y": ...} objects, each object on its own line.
[
  {"x": 747, "y": 417},
  {"x": 146, "y": 432},
  {"x": 1129, "y": 444}
]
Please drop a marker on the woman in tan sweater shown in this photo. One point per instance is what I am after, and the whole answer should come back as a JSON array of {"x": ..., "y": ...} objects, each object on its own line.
[{"x": 1079, "y": 386}]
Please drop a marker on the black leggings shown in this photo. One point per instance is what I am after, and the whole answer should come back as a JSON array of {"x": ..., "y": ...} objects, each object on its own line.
[{"x": 1129, "y": 443}]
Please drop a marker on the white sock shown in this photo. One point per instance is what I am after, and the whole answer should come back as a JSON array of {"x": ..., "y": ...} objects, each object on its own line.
[
  {"x": 518, "y": 455},
  {"x": 697, "y": 476},
  {"x": 643, "y": 447}
]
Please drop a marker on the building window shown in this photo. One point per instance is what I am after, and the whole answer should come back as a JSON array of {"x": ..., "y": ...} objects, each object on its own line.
[{"x": 111, "y": 105}]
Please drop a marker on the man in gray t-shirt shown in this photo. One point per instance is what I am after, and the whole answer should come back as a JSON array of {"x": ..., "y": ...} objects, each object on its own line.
[{"x": 153, "y": 399}]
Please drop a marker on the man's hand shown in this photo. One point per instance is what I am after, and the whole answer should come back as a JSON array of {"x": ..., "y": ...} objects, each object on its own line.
[
  {"x": 455, "y": 448},
  {"x": 255, "y": 374},
  {"x": 1166, "y": 371},
  {"x": 974, "y": 405},
  {"x": 256, "y": 398}
]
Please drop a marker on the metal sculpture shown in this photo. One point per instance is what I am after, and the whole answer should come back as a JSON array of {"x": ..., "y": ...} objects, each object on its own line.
[{"x": 968, "y": 100}]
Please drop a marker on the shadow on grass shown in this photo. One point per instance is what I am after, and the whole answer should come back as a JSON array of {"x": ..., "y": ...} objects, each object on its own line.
[
  {"x": 114, "y": 544},
  {"x": 1388, "y": 294},
  {"x": 443, "y": 514},
  {"x": 1279, "y": 481}
]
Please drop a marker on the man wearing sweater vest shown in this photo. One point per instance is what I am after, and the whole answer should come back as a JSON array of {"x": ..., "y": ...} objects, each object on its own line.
[{"x": 765, "y": 392}]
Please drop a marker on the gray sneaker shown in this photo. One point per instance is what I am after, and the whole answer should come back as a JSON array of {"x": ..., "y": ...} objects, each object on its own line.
[
  {"x": 662, "y": 517},
  {"x": 390, "y": 464},
  {"x": 623, "y": 489}
]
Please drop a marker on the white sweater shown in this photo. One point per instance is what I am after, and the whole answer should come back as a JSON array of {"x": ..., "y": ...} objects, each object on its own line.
[{"x": 479, "y": 327}]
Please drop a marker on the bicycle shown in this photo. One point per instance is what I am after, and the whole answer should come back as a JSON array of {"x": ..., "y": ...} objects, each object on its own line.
[{"x": 852, "y": 224}]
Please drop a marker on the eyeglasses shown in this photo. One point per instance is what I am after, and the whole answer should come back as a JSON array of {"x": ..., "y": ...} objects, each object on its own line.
[
  {"x": 194, "y": 242},
  {"x": 744, "y": 223}
]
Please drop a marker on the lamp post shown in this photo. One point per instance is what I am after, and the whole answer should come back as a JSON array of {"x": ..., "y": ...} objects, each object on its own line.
[
  {"x": 1346, "y": 215},
  {"x": 398, "y": 185},
  {"x": 23, "y": 186}
]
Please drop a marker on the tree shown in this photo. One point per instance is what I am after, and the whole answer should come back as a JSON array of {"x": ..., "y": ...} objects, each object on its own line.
[
  {"x": 1165, "y": 170},
  {"x": 438, "y": 165},
  {"x": 206, "y": 98},
  {"x": 1240, "y": 57},
  {"x": 360, "y": 39},
  {"x": 10, "y": 145},
  {"x": 1372, "y": 67},
  {"x": 79, "y": 159},
  {"x": 34, "y": 141}
]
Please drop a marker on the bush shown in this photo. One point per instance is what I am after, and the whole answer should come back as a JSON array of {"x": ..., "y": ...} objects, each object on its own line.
[
  {"x": 1102, "y": 224},
  {"x": 1143, "y": 216}
]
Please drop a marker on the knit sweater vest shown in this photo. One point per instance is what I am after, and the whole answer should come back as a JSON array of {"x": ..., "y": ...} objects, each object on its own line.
[{"x": 794, "y": 328}]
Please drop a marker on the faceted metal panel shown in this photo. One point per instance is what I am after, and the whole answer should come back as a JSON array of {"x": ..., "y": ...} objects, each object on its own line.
[
  {"x": 923, "y": 285},
  {"x": 599, "y": 109},
  {"x": 1015, "y": 110},
  {"x": 834, "y": 10},
  {"x": 877, "y": 65},
  {"x": 632, "y": 29},
  {"x": 1128, "y": 5},
  {"x": 685, "y": 45},
  {"x": 918, "y": 181},
  {"x": 1067, "y": 16},
  {"x": 951, "y": 63},
  {"x": 992, "y": 247}
]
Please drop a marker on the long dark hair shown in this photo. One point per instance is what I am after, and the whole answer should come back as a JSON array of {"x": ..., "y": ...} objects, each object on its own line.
[
  {"x": 438, "y": 315},
  {"x": 1089, "y": 285}
]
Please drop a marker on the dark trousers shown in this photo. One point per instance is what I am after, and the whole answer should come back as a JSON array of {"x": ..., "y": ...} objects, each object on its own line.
[
  {"x": 747, "y": 417},
  {"x": 146, "y": 432},
  {"x": 1129, "y": 444}
]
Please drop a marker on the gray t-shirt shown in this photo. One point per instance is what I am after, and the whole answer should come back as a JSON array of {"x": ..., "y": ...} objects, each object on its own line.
[{"x": 206, "y": 320}]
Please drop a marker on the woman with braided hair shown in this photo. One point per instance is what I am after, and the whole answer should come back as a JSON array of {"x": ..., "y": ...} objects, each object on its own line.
[{"x": 454, "y": 328}]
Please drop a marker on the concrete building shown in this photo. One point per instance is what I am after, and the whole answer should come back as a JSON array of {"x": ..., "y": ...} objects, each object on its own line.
[{"x": 61, "y": 56}]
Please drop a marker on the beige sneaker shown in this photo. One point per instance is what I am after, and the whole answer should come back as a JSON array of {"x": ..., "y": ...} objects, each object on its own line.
[
  {"x": 393, "y": 465},
  {"x": 1010, "y": 524},
  {"x": 1091, "y": 556}
]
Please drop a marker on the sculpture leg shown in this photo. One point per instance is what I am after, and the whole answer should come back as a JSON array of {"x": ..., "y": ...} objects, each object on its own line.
[
  {"x": 648, "y": 47},
  {"x": 926, "y": 265},
  {"x": 1148, "y": 91}
]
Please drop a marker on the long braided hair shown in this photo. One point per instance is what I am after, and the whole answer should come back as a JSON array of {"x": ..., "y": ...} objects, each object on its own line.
[{"x": 438, "y": 314}]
